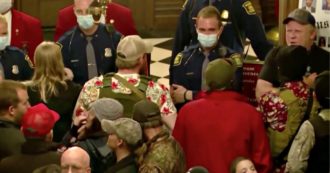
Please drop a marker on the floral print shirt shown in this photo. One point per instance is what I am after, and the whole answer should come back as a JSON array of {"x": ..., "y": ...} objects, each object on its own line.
[
  {"x": 157, "y": 93},
  {"x": 273, "y": 108}
]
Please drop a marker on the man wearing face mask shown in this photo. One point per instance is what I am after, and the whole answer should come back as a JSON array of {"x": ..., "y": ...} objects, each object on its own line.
[
  {"x": 24, "y": 31},
  {"x": 186, "y": 72},
  {"x": 14, "y": 63},
  {"x": 120, "y": 15},
  {"x": 89, "y": 49}
]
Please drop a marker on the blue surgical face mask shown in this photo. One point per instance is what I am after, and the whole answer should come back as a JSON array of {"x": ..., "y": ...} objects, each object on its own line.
[
  {"x": 207, "y": 40},
  {"x": 85, "y": 21},
  {"x": 3, "y": 42}
]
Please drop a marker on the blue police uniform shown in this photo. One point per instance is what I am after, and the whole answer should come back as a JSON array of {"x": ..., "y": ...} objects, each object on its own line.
[
  {"x": 242, "y": 22},
  {"x": 74, "y": 51},
  {"x": 187, "y": 66},
  {"x": 16, "y": 64}
]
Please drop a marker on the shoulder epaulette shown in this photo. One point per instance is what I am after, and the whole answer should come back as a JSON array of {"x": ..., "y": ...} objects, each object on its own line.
[
  {"x": 191, "y": 47},
  {"x": 13, "y": 48},
  {"x": 66, "y": 34}
]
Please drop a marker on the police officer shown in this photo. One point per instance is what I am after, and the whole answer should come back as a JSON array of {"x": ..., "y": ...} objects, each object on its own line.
[
  {"x": 242, "y": 22},
  {"x": 89, "y": 49},
  {"x": 119, "y": 14},
  {"x": 188, "y": 66},
  {"x": 14, "y": 64}
]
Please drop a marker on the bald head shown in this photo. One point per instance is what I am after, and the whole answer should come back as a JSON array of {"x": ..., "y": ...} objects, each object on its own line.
[{"x": 75, "y": 159}]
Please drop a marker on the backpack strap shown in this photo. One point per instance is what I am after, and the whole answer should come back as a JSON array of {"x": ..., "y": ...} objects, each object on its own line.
[
  {"x": 140, "y": 94},
  {"x": 144, "y": 81}
]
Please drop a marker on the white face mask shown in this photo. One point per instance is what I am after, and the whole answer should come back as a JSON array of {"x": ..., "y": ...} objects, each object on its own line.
[
  {"x": 85, "y": 21},
  {"x": 3, "y": 42},
  {"x": 5, "y": 5},
  {"x": 207, "y": 40}
]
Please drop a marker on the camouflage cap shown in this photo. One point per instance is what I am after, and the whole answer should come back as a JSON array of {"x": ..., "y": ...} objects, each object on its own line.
[
  {"x": 125, "y": 128},
  {"x": 219, "y": 73},
  {"x": 147, "y": 113},
  {"x": 301, "y": 16},
  {"x": 107, "y": 108}
]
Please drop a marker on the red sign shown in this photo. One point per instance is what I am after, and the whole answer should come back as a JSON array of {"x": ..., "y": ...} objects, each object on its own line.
[{"x": 251, "y": 70}]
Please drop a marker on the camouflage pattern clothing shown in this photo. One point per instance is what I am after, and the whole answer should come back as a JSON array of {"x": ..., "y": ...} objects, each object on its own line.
[
  {"x": 303, "y": 144},
  {"x": 164, "y": 155},
  {"x": 157, "y": 93},
  {"x": 286, "y": 119}
]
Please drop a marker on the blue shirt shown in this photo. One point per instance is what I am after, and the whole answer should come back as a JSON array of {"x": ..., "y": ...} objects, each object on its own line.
[
  {"x": 187, "y": 67},
  {"x": 16, "y": 64},
  {"x": 74, "y": 51}
]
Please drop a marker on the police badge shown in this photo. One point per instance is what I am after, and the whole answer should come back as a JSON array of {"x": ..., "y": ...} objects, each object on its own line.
[
  {"x": 15, "y": 69},
  {"x": 107, "y": 53},
  {"x": 249, "y": 8}
]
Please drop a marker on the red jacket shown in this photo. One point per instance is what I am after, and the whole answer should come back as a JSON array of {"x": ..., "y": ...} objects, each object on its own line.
[
  {"x": 216, "y": 129},
  {"x": 26, "y": 32},
  {"x": 122, "y": 16}
]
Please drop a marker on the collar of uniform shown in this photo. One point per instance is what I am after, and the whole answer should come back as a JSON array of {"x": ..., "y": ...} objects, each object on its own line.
[
  {"x": 325, "y": 114},
  {"x": 192, "y": 47}
]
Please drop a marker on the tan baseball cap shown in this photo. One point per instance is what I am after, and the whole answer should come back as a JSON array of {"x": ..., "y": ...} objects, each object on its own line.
[{"x": 132, "y": 47}]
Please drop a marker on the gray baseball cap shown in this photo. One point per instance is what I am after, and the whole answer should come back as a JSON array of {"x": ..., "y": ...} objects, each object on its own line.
[
  {"x": 301, "y": 16},
  {"x": 107, "y": 108}
]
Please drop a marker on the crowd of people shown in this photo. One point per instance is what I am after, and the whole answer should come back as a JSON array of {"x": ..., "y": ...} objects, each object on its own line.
[{"x": 85, "y": 104}]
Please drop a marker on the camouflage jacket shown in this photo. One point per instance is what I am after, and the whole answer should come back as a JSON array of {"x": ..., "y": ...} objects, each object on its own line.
[{"x": 164, "y": 155}]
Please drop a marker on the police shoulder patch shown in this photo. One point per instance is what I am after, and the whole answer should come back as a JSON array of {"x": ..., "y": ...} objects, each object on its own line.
[
  {"x": 178, "y": 59},
  {"x": 237, "y": 59},
  {"x": 27, "y": 58},
  {"x": 249, "y": 8}
]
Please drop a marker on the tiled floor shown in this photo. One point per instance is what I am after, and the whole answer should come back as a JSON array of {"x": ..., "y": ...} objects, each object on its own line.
[{"x": 160, "y": 58}]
